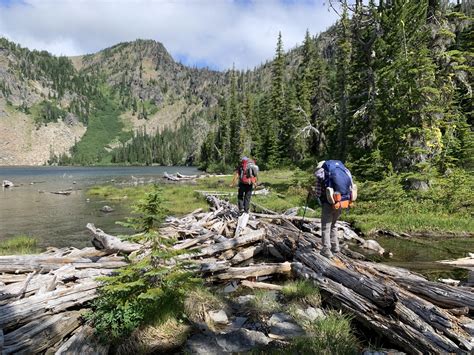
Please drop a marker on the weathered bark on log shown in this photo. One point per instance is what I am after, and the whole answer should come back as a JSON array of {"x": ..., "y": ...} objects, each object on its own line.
[
  {"x": 409, "y": 338},
  {"x": 261, "y": 285},
  {"x": 254, "y": 271},
  {"x": 357, "y": 284},
  {"x": 440, "y": 294},
  {"x": 246, "y": 254},
  {"x": 111, "y": 244},
  {"x": 375, "y": 290},
  {"x": 33, "y": 307},
  {"x": 249, "y": 238},
  {"x": 82, "y": 342},
  {"x": 45, "y": 263},
  {"x": 41, "y": 334}
]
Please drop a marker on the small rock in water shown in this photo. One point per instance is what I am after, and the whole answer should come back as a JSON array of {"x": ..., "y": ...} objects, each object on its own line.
[
  {"x": 106, "y": 209},
  {"x": 373, "y": 245},
  {"x": 7, "y": 183}
]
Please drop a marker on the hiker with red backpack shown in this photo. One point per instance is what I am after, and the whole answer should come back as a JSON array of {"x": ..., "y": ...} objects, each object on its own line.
[
  {"x": 336, "y": 191},
  {"x": 246, "y": 173}
]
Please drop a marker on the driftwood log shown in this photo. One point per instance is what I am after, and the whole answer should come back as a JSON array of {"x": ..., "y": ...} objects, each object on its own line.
[{"x": 55, "y": 287}]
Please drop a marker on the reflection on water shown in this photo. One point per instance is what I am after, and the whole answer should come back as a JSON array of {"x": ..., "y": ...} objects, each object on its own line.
[
  {"x": 31, "y": 209},
  {"x": 420, "y": 254}
]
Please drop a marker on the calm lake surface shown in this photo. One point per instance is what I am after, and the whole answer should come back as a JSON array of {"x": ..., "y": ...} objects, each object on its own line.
[{"x": 31, "y": 209}]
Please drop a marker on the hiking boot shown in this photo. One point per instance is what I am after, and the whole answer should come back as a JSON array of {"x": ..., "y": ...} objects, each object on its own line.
[{"x": 327, "y": 253}]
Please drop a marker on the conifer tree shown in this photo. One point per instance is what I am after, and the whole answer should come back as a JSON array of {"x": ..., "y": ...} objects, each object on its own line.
[
  {"x": 275, "y": 141},
  {"x": 343, "y": 64}
]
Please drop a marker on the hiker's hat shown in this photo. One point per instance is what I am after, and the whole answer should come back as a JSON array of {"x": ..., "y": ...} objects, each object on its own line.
[
  {"x": 320, "y": 164},
  {"x": 245, "y": 158}
]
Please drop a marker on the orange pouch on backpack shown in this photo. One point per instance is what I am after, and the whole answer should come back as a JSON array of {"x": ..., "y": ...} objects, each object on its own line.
[{"x": 341, "y": 204}]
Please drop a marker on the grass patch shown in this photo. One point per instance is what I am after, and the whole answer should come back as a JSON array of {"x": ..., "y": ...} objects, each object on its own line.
[
  {"x": 264, "y": 302},
  {"x": 331, "y": 335},
  {"x": 446, "y": 207},
  {"x": 160, "y": 338},
  {"x": 200, "y": 301},
  {"x": 302, "y": 291},
  {"x": 19, "y": 245}
]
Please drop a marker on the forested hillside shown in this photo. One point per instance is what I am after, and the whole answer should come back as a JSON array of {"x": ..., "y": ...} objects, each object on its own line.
[
  {"x": 131, "y": 87},
  {"x": 393, "y": 93},
  {"x": 387, "y": 88}
]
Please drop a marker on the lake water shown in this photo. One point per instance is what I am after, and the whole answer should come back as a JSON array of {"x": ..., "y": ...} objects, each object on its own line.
[{"x": 31, "y": 209}]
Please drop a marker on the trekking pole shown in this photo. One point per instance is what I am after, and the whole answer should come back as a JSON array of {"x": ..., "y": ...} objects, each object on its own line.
[{"x": 302, "y": 221}]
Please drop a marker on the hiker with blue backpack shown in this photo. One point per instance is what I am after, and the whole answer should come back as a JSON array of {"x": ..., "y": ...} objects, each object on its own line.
[{"x": 336, "y": 191}]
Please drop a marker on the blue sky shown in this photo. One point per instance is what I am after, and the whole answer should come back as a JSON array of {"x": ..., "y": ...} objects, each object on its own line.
[{"x": 214, "y": 33}]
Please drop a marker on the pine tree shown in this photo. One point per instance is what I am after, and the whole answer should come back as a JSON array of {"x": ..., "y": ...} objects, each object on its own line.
[
  {"x": 343, "y": 67},
  {"x": 275, "y": 141}
]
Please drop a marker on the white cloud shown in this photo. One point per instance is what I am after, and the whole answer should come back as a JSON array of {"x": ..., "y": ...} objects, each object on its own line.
[{"x": 215, "y": 32}]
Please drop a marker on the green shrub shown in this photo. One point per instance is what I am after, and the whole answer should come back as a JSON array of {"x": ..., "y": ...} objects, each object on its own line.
[{"x": 145, "y": 292}]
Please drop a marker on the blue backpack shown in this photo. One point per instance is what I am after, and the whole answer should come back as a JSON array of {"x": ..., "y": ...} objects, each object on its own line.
[{"x": 338, "y": 177}]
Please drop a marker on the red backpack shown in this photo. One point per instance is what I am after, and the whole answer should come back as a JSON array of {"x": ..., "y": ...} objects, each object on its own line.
[{"x": 246, "y": 175}]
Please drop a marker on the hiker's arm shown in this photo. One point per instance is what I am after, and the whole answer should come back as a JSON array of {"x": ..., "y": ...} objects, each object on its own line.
[
  {"x": 234, "y": 179},
  {"x": 319, "y": 182}
]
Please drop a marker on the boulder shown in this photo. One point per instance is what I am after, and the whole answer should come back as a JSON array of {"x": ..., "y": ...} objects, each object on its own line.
[
  {"x": 284, "y": 327},
  {"x": 416, "y": 184},
  {"x": 242, "y": 340},
  {"x": 311, "y": 313},
  {"x": 286, "y": 330},
  {"x": 202, "y": 344},
  {"x": 218, "y": 317}
]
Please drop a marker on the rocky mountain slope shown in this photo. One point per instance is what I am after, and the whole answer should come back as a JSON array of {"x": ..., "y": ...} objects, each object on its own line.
[{"x": 46, "y": 102}]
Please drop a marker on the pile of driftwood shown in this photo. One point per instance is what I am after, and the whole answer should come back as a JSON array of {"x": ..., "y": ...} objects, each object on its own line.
[
  {"x": 44, "y": 295},
  {"x": 418, "y": 315},
  {"x": 179, "y": 177}
]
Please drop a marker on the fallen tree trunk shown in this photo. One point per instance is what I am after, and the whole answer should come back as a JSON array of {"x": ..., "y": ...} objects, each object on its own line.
[
  {"x": 83, "y": 342},
  {"x": 253, "y": 271},
  {"x": 41, "y": 334},
  {"x": 45, "y": 263},
  {"x": 33, "y": 307},
  {"x": 109, "y": 243}
]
